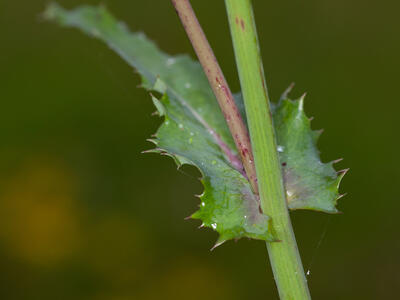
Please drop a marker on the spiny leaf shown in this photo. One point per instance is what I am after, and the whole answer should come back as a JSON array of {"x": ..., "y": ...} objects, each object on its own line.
[
  {"x": 194, "y": 130},
  {"x": 309, "y": 183}
]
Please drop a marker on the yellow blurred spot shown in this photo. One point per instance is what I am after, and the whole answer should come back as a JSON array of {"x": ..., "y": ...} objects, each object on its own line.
[{"x": 38, "y": 217}]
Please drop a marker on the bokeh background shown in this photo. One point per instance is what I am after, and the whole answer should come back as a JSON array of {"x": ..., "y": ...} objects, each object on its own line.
[{"x": 85, "y": 215}]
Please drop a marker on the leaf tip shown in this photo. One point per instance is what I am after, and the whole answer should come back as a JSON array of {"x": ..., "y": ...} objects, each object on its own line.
[
  {"x": 301, "y": 102},
  {"x": 160, "y": 86},
  {"x": 219, "y": 242},
  {"x": 287, "y": 91},
  {"x": 336, "y": 161},
  {"x": 317, "y": 134},
  {"x": 155, "y": 142},
  {"x": 155, "y": 150},
  {"x": 343, "y": 172},
  {"x": 159, "y": 106}
]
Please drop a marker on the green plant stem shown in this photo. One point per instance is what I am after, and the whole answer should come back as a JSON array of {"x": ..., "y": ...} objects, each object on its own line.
[
  {"x": 284, "y": 255},
  {"x": 219, "y": 86}
]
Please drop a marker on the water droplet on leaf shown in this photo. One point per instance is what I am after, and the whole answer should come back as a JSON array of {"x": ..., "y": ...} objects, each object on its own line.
[{"x": 170, "y": 61}]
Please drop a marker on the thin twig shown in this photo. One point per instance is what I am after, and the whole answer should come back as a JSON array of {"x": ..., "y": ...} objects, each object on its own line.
[{"x": 219, "y": 86}]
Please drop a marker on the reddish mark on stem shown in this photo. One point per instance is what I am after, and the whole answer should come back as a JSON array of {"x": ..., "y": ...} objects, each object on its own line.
[
  {"x": 242, "y": 24},
  {"x": 240, "y": 21},
  {"x": 225, "y": 89}
]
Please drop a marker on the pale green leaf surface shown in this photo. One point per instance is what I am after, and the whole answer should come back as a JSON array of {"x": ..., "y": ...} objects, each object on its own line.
[{"x": 195, "y": 132}]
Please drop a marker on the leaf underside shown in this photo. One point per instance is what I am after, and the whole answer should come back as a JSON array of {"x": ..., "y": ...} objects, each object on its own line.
[{"x": 194, "y": 132}]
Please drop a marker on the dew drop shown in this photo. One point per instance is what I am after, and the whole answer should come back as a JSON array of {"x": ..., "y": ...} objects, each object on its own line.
[
  {"x": 280, "y": 148},
  {"x": 180, "y": 126},
  {"x": 214, "y": 225},
  {"x": 170, "y": 61},
  {"x": 308, "y": 273},
  {"x": 203, "y": 204},
  {"x": 192, "y": 134}
]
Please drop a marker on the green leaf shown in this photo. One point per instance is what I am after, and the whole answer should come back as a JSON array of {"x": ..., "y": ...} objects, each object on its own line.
[
  {"x": 309, "y": 183},
  {"x": 194, "y": 130}
]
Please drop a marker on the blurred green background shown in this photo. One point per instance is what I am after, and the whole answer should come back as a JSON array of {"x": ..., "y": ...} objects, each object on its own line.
[{"x": 84, "y": 215}]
